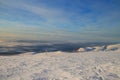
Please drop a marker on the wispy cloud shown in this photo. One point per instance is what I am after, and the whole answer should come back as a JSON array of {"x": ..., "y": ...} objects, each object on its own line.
[{"x": 82, "y": 20}]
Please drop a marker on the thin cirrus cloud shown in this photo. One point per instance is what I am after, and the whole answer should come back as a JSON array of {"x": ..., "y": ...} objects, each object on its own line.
[{"x": 65, "y": 20}]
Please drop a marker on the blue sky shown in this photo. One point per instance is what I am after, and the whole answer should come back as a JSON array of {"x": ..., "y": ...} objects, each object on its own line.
[{"x": 60, "y": 20}]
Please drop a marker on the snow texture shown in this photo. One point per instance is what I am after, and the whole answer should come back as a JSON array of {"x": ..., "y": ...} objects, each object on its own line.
[{"x": 93, "y": 65}]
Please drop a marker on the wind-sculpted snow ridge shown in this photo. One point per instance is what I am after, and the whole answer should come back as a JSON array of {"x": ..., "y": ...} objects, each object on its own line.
[
  {"x": 61, "y": 66},
  {"x": 112, "y": 47}
]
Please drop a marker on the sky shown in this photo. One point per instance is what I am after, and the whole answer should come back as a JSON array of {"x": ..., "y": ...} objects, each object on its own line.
[{"x": 60, "y": 20}]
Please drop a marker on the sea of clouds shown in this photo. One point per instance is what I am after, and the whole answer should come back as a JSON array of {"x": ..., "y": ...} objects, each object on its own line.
[{"x": 18, "y": 47}]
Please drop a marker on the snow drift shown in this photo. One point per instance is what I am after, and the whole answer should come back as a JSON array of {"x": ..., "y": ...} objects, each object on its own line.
[{"x": 92, "y": 65}]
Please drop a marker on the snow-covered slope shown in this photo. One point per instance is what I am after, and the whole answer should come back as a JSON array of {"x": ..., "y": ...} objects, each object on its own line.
[
  {"x": 61, "y": 66},
  {"x": 112, "y": 47}
]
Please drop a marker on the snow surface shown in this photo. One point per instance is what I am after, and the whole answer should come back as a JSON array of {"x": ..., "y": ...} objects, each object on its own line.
[
  {"x": 102, "y": 65},
  {"x": 112, "y": 47}
]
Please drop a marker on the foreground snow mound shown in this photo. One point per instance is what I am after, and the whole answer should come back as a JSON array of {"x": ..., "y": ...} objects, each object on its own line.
[
  {"x": 81, "y": 50},
  {"x": 61, "y": 66}
]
